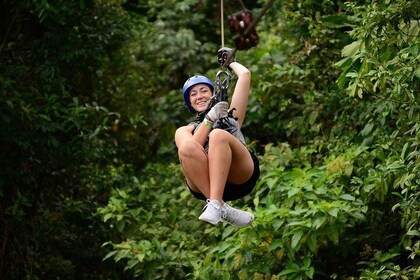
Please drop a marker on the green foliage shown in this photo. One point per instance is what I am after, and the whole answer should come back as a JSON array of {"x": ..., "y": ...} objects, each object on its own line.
[
  {"x": 91, "y": 99},
  {"x": 385, "y": 57},
  {"x": 54, "y": 135},
  {"x": 346, "y": 186},
  {"x": 299, "y": 209},
  {"x": 155, "y": 214},
  {"x": 293, "y": 74},
  {"x": 382, "y": 267},
  {"x": 382, "y": 66}
]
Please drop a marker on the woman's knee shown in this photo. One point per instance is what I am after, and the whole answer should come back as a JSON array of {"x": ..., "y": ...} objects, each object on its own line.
[
  {"x": 218, "y": 136},
  {"x": 189, "y": 148}
]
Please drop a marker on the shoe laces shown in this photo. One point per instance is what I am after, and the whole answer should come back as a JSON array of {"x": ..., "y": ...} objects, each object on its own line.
[
  {"x": 229, "y": 214},
  {"x": 213, "y": 204}
]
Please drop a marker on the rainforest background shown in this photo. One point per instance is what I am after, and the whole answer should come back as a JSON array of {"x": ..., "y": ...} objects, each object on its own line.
[{"x": 90, "y": 184}]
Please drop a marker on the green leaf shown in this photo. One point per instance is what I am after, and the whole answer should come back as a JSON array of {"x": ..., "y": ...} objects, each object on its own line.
[
  {"x": 335, "y": 20},
  {"x": 333, "y": 212},
  {"x": 295, "y": 174},
  {"x": 313, "y": 116},
  {"x": 404, "y": 150},
  {"x": 277, "y": 223},
  {"x": 307, "y": 262},
  {"x": 121, "y": 255},
  {"x": 110, "y": 254},
  {"x": 232, "y": 251},
  {"x": 107, "y": 216},
  {"x": 274, "y": 245},
  {"x": 351, "y": 49},
  {"x": 310, "y": 195},
  {"x": 352, "y": 75},
  {"x": 292, "y": 192},
  {"x": 396, "y": 165},
  {"x": 256, "y": 201},
  {"x": 344, "y": 64},
  {"x": 310, "y": 272},
  {"x": 131, "y": 264},
  {"x": 367, "y": 129},
  {"x": 347, "y": 197},
  {"x": 288, "y": 271},
  {"x": 296, "y": 238},
  {"x": 312, "y": 243},
  {"x": 413, "y": 233},
  {"x": 319, "y": 221}
]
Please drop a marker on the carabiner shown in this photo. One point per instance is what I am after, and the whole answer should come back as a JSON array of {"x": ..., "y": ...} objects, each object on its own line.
[{"x": 223, "y": 84}]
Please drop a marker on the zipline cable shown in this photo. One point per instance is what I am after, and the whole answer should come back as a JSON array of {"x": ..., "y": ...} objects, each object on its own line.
[{"x": 222, "y": 29}]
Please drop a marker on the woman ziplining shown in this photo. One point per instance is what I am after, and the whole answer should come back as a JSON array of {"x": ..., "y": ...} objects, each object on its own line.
[{"x": 215, "y": 160}]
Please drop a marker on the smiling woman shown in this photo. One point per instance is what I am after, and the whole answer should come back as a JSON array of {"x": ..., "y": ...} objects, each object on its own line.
[
  {"x": 193, "y": 88},
  {"x": 199, "y": 97},
  {"x": 217, "y": 165}
]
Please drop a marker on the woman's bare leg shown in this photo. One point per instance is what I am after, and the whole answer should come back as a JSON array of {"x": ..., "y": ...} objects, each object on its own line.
[
  {"x": 194, "y": 162},
  {"x": 229, "y": 160}
]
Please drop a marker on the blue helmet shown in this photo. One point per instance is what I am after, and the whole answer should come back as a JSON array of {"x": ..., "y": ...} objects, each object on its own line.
[{"x": 194, "y": 80}]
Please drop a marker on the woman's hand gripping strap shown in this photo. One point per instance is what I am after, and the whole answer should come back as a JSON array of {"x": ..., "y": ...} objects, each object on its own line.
[{"x": 219, "y": 111}]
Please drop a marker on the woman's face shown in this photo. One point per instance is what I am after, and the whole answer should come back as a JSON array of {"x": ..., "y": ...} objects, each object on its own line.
[{"x": 200, "y": 96}]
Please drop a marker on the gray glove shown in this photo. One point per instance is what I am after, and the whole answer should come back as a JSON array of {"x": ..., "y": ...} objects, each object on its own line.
[{"x": 219, "y": 111}]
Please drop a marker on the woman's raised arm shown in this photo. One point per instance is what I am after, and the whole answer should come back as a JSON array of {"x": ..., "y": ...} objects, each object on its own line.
[{"x": 241, "y": 92}]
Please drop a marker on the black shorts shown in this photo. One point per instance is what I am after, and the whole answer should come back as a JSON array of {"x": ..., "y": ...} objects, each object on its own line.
[{"x": 233, "y": 191}]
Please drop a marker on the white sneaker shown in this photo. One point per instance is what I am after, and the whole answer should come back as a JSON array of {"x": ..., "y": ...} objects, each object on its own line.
[
  {"x": 212, "y": 213},
  {"x": 236, "y": 217}
]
